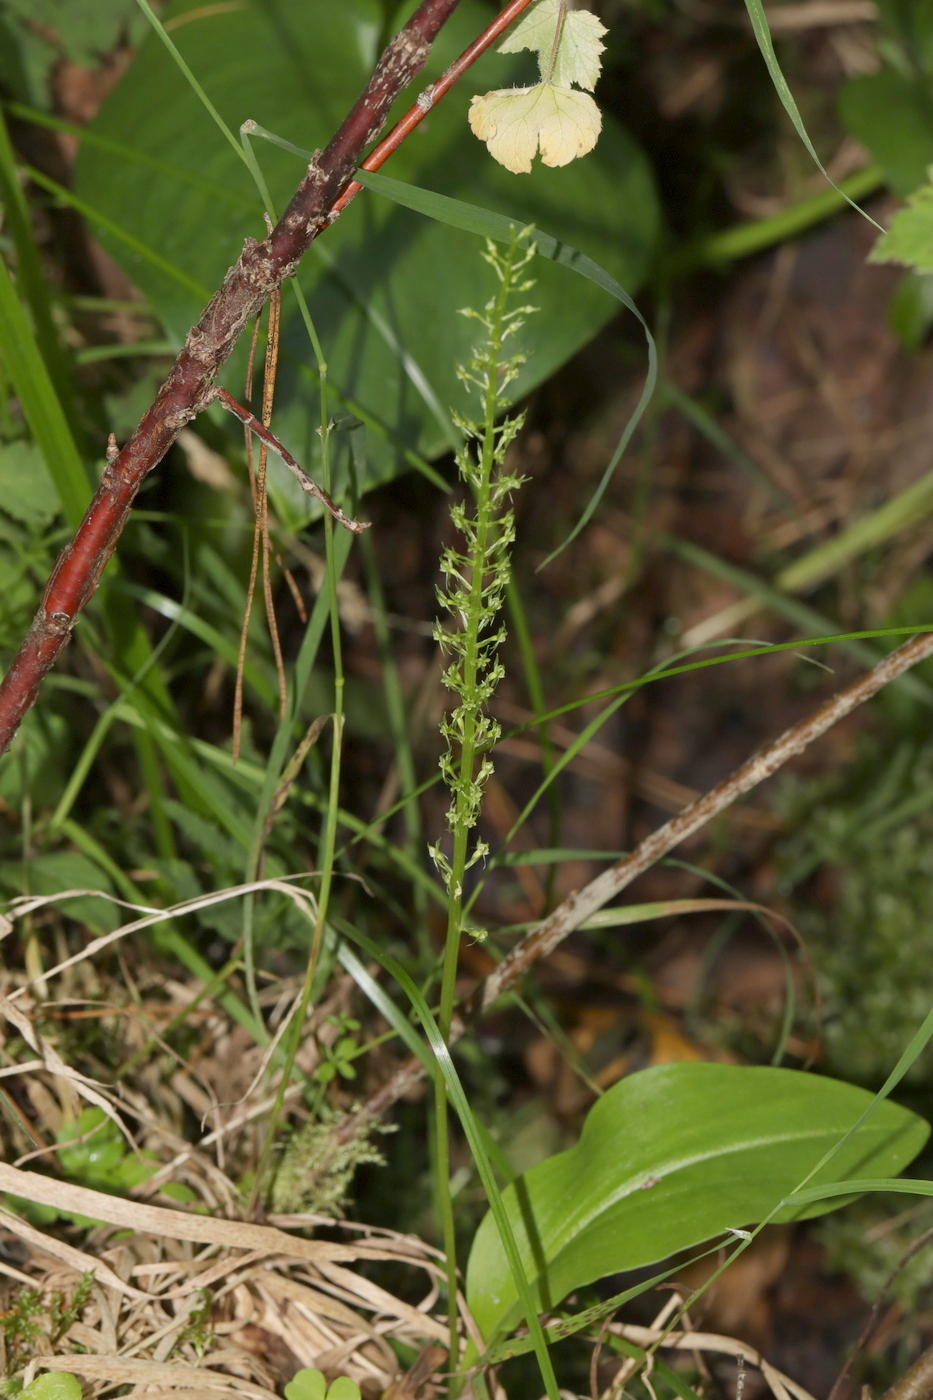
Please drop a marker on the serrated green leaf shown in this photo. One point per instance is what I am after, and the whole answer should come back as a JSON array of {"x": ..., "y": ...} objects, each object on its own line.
[
  {"x": 909, "y": 238},
  {"x": 27, "y": 492},
  {"x": 576, "y": 58},
  {"x": 515, "y": 123},
  {"x": 672, "y": 1156}
]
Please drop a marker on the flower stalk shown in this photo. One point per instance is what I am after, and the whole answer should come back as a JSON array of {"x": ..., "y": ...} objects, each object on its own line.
[{"x": 476, "y": 575}]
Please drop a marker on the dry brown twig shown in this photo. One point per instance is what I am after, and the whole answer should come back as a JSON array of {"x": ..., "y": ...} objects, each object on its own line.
[
  {"x": 915, "y": 1384},
  {"x": 154, "y": 1266}
]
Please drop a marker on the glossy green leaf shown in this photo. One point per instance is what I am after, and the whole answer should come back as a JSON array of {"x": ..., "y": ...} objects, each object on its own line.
[
  {"x": 672, "y": 1156},
  {"x": 385, "y": 286},
  {"x": 892, "y": 116}
]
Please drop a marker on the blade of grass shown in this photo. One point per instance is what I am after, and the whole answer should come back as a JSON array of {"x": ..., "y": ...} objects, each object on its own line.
[
  {"x": 167, "y": 938},
  {"x": 461, "y": 1104},
  {"x": 756, "y": 14},
  {"x": 41, "y": 405},
  {"x": 705, "y": 423},
  {"x": 49, "y": 426},
  {"x": 799, "y": 614},
  {"x": 186, "y": 618},
  {"x": 755, "y": 235},
  {"x": 33, "y": 285}
]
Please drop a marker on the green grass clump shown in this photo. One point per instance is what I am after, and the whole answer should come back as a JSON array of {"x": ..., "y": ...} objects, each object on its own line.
[{"x": 866, "y": 917}]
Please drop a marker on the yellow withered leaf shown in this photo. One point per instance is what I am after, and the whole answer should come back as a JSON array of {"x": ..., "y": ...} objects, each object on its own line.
[
  {"x": 516, "y": 123},
  {"x": 552, "y": 116}
]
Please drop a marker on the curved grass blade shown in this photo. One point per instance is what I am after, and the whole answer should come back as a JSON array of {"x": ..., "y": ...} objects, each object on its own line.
[
  {"x": 475, "y": 1139},
  {"x": 762, "y": 34},
  {"x": 41, "y": 405}
]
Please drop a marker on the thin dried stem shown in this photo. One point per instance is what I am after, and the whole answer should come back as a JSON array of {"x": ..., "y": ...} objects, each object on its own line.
[
  {"x": 578, "y": 907},
  {"x": 269, "y": 440},
  {"x": 262, "y": 514},
  {"x": 254, "y": 559},
  {"x": 906, "y": 1387}
]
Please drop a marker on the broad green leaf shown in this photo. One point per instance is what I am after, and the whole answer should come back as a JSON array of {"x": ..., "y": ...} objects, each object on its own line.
[
  {"x": 384, "y": 286},
  {"x": 892, "y": 115},
  {"x": 909, "y": 238},
  {"x": 56, "y": 871},
  {"x": 672, "y": 1156}
]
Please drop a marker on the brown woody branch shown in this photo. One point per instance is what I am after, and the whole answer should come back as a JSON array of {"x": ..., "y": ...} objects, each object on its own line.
[
  {"x": 581, "y": 905},
  {"x": 915, "y": 1384},
  {"x": 189, "y": 387}
]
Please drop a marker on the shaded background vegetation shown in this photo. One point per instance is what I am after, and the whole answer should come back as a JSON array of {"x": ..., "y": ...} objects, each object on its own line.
[{"x": 794, "y": 402}]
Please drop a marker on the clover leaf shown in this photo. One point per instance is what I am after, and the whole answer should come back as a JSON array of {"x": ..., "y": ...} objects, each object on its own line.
[{"x": 312, "y": 1385}]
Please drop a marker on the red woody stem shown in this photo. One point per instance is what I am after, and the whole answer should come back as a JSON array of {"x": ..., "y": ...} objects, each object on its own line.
[{"x": 189, "y": 387}]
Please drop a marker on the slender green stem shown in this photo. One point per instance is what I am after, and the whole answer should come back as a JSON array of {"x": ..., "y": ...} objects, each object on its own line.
[
  {"x": 521, "y": 632},
  {"x": 474, "y": 660},
  {"x": 476, "y": 581},
  {"x": 744, "y": 239}
]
